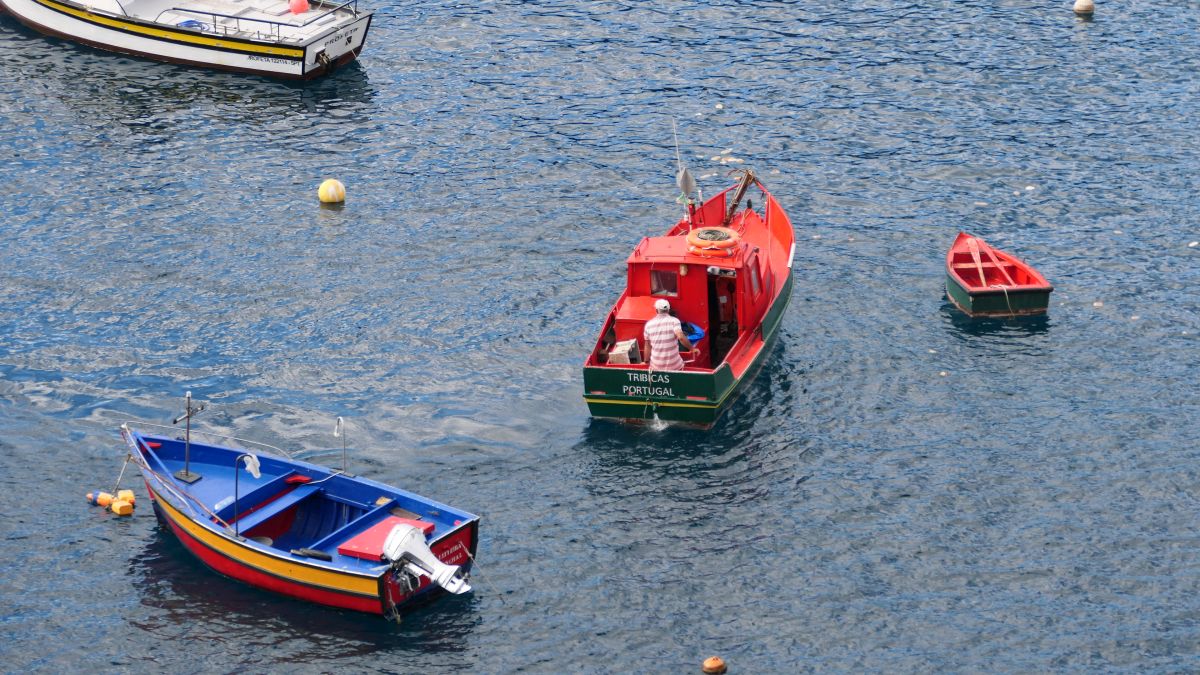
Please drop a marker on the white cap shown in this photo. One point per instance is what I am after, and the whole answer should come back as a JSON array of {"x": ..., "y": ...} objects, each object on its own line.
[{"x": 662, "y": 305}]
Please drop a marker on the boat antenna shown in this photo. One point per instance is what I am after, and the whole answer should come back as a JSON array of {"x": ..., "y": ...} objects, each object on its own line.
[
  {"x": 189, "y": 412},
  {"x": 683, "y": 178},
  {"x": 678, "y": 160}
]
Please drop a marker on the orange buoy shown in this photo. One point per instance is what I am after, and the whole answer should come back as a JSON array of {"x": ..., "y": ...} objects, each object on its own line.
[
  {"x": 99, "y": 498},
  {"x": 122, "y": 507},
  {"x": 127, "y": 496},
  {"x": 713, "y": 665}
]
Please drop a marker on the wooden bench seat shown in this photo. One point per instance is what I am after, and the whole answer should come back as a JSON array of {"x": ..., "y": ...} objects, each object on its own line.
[{"x": 276, "y": 507}]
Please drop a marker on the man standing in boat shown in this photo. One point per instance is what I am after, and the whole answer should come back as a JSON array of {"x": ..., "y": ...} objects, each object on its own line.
[{"x": 663, "y": 334}]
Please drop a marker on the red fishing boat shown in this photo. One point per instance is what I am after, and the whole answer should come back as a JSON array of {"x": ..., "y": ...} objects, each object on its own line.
[
  {"x": 984, "y": 281},
  {"x": 726, "y": 271}
]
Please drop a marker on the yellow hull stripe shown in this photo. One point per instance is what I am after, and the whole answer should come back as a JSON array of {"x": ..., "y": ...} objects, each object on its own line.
[
  {"x": 661, "y": 404},
  {"x": 346, "y": 583},
  {"x": 176, "y": 36}
]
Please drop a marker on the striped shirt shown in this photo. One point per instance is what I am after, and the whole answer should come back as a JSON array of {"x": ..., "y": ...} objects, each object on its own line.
[{"x": 664, "y": 345}]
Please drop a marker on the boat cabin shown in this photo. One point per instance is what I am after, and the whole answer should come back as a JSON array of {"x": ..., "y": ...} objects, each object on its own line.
[{"x": 720, "y": 291}]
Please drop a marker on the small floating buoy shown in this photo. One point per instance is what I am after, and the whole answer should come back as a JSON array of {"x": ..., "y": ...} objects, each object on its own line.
[
  {"x": 332, "y": 192},
  {"x": 1098, "y": 303},
  {"x": 1084, "y": 7},
  {"x": 122, "y": 507},
  {"x": 127, "y": 496},
  {"x": 713, "y": 665},
  {"x": 99, "y": 498},
  {"x": 1194, "y": 244}
]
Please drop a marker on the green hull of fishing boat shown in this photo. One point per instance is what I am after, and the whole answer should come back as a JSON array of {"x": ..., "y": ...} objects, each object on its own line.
[{"x": 681, "y": 396}]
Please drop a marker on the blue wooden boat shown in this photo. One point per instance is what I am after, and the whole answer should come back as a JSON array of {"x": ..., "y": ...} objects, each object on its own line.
[{"x": 303, "y": 530}]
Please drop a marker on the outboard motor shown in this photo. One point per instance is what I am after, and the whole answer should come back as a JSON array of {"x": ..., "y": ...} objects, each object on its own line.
[{"x": 405, "y": 547}]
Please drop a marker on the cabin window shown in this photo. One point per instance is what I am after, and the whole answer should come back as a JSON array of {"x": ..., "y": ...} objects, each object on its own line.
[
  {"x": 663, "y": 282},
  {"x": 755, "y": 281}
]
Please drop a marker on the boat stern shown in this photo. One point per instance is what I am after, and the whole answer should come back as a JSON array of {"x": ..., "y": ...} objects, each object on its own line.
[
  {"x": 640, "y": 394},
  {"x": 999, "y": 301},
  {"x": 336, "y": 48}
]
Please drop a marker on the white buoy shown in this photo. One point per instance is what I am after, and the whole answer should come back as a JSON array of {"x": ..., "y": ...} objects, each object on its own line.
[
  {"x": 1084, "y": 7},
  {"x": 1194, "y": 244},
  {"x": 331, "y": 192}
]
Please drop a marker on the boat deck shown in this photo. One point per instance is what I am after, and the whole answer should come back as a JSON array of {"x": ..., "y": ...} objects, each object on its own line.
[{"x": 254, "y": 19}]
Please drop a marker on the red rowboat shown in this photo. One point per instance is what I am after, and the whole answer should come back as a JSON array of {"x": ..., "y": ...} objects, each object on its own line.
[{"x": 984, "y": 281}]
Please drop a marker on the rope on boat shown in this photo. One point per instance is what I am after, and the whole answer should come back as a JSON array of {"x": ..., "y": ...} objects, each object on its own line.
[
  {"x": 180, "y": 492},
  {"x": 121, "y": 475},
  {"x": 1007, "y": 301},
  {"x": 186, "y": 499},
  {"x": 475, "y": 571}
]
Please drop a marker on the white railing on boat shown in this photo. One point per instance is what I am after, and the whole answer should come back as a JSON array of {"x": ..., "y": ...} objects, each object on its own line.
[
  {"x": 212, "y": 435},
  {"x": 226, "y": 29}
]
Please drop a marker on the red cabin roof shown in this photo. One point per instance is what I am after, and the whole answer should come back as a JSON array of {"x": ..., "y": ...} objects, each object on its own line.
[{"x": 674, "y": 249}]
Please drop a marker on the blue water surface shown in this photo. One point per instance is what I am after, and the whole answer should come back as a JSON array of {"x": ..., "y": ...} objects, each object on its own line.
[{"x": 901, "y": 490}]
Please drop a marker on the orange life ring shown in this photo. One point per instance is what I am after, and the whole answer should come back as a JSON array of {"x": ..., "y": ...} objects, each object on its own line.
[
  {"x": 712, "y": 237},
  {"x": 712, "y": 252}
]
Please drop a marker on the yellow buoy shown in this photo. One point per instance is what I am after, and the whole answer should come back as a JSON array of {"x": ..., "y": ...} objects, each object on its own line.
[
  {"x": 713, "y": 665},
  {"x": 122, "y": 507},
  {"x": 331, "y": 192},
  {"x": 1086, "y": 7},
  {"x": 127, "y": 496}
]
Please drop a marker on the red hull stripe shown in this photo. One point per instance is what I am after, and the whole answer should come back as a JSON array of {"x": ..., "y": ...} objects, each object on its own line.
[{"x": 195, "y": 539}]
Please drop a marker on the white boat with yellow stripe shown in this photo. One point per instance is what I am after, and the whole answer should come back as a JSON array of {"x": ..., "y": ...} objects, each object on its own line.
[{"x": 286, "y": 39}]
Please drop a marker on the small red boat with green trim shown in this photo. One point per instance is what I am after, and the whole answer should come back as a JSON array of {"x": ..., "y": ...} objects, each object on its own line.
[
  {"x": 984, "y": 281},
  {"x": 284, "y": 525},
  {"x": 726, "y": 270}
]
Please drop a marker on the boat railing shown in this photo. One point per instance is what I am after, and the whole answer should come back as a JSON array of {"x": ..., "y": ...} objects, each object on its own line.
[
  {"x": 215, "y": 436},
  {"x": 274, "y": 27}
]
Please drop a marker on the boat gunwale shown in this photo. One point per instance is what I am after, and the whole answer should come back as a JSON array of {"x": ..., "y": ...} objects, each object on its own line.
[
  {"x": 955, "y": 274},
  {"x": 179, "y": 493}
]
